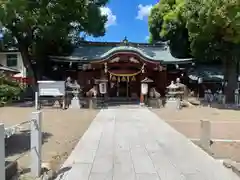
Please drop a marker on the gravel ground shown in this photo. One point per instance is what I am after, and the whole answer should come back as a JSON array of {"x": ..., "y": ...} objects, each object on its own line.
[
  {"x": 225, "y": 124},
  {"x": 62, "y": 129}
]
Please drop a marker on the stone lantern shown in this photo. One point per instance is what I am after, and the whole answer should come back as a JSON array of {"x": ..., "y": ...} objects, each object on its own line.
[{"x": 173, "y": 96}]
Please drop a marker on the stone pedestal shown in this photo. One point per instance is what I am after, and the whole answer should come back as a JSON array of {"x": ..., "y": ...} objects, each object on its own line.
[
  {"x": 155, "y": 102},
  {"x": 75, "y": 103},
  {"x": 173, "y": 104}
]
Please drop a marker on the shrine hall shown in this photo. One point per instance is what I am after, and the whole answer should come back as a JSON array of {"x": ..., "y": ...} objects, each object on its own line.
[{"x": 122, "y": 64}]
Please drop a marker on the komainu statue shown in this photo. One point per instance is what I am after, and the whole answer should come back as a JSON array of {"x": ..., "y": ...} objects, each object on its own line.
[
  {"x": 154, "y": 100},
  {"x": 92, "y": 92},
  {"x": 153, "y": 93}
]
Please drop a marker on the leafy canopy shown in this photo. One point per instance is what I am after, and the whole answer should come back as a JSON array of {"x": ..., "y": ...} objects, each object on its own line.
[
  {"x": 166, "y": 22},
  {"x": 37, "y": 25},
  {"x": 214, "y": 27}
]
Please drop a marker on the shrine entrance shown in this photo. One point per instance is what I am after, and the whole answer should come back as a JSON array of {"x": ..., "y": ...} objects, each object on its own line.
[
  {"x": 124, "y": 86},
  {"x": 123, "y": 89}
]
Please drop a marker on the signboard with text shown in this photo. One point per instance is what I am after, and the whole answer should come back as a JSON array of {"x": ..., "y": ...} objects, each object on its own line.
[{"x": 51, "y": 88}]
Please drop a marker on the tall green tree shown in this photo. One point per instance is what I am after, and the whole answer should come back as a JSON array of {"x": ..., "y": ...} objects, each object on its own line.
[
  {"x": 214, "y": 32},
  {"x": 42, "y": 26},
  {"x": 213, "y": 28},
  {"x": 167, "y": 23}
]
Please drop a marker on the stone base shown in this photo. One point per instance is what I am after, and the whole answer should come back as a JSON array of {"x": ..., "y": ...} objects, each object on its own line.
[
  {"x": 173, "y": 104},
  {"x": 155, "y": 103},
  {"x": 75, "y": 103}
]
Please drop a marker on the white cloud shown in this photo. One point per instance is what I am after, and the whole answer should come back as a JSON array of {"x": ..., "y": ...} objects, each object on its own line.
[
  {"x": 143, "y": 11},
  {"x": 112, "y": 19}
]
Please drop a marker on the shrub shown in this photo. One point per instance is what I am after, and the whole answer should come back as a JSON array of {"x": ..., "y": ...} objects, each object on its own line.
[{"x": 9, "y": 89}]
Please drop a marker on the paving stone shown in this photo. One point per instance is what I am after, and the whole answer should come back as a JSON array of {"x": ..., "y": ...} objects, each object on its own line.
[
  {"x": 142, "y": 162},
  {"x": 147, "y": 177},
  {"x": 135, "y": 144},
  {"x": 79, "y": 171},
  {"x": 101, "y": 176}
]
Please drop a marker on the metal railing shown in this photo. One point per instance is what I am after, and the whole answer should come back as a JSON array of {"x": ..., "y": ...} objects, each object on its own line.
[{"x": 35, "y": 148}]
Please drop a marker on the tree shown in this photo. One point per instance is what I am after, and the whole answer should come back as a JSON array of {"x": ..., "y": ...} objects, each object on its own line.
[
  {"x": 167, "y": 23},
  {"x": 213, "y": 28},
  {"x": 39, "y": 27},
  {"x": 214, "y": 32}
]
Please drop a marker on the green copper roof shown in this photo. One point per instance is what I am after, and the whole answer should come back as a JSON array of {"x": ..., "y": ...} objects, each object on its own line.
[
  {"x": 208, "y": 73},
  {"x": 101, "y": 51}
]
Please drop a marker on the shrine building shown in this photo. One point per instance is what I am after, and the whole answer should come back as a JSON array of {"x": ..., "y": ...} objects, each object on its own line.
[{"x": 123, "y": 64}]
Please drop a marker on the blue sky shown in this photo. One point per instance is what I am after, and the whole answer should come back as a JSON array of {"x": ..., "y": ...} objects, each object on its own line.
[{"x": 127, "y": 18}]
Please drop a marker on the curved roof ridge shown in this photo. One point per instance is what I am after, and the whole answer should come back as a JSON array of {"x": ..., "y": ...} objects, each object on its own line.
[{"x": 126, "y": 48}]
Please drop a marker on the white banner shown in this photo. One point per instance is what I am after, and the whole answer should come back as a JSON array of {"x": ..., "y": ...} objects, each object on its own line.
[{"x": 144, "y": 88}]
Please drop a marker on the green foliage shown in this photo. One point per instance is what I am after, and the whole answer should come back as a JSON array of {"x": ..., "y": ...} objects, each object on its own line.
[
  {"x": 44, "y": 27},
  {"x": 166, "y": 22},
  {"x": 214, "y": 27},
  {"x": 8, "y": 89}
]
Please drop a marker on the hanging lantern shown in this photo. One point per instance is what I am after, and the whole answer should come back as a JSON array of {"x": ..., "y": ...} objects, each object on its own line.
[{"x": 103, "y": 88}]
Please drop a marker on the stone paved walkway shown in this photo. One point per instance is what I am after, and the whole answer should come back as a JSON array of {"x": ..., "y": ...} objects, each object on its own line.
[{"x": 134, "y": 144}]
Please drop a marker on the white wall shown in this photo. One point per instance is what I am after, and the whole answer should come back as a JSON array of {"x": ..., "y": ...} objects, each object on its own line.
[{"x": 20, "y": 67}]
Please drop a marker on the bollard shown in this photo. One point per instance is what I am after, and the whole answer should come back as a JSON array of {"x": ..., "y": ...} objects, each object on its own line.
[
  {"x": 36, "y": 143},
  {"x": 36, "y": 101},
  {"x": 2, "y": 152},
  {"x": 205, "y": 136}
]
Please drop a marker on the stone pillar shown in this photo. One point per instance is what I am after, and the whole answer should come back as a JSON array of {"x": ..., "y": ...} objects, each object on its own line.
[
  {"x": 205, "y": 135},
  {"x": 36, "y": 143},
  {"x": 2, "y": 152}
]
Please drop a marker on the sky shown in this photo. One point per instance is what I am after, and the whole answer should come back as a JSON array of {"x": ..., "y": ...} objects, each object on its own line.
[{"x": 126, "y": 18}]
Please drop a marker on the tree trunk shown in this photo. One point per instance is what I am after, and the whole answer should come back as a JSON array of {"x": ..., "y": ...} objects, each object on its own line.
[
  {"x": 27, "y": 62},
  {"x": 231, "y": 77}
]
